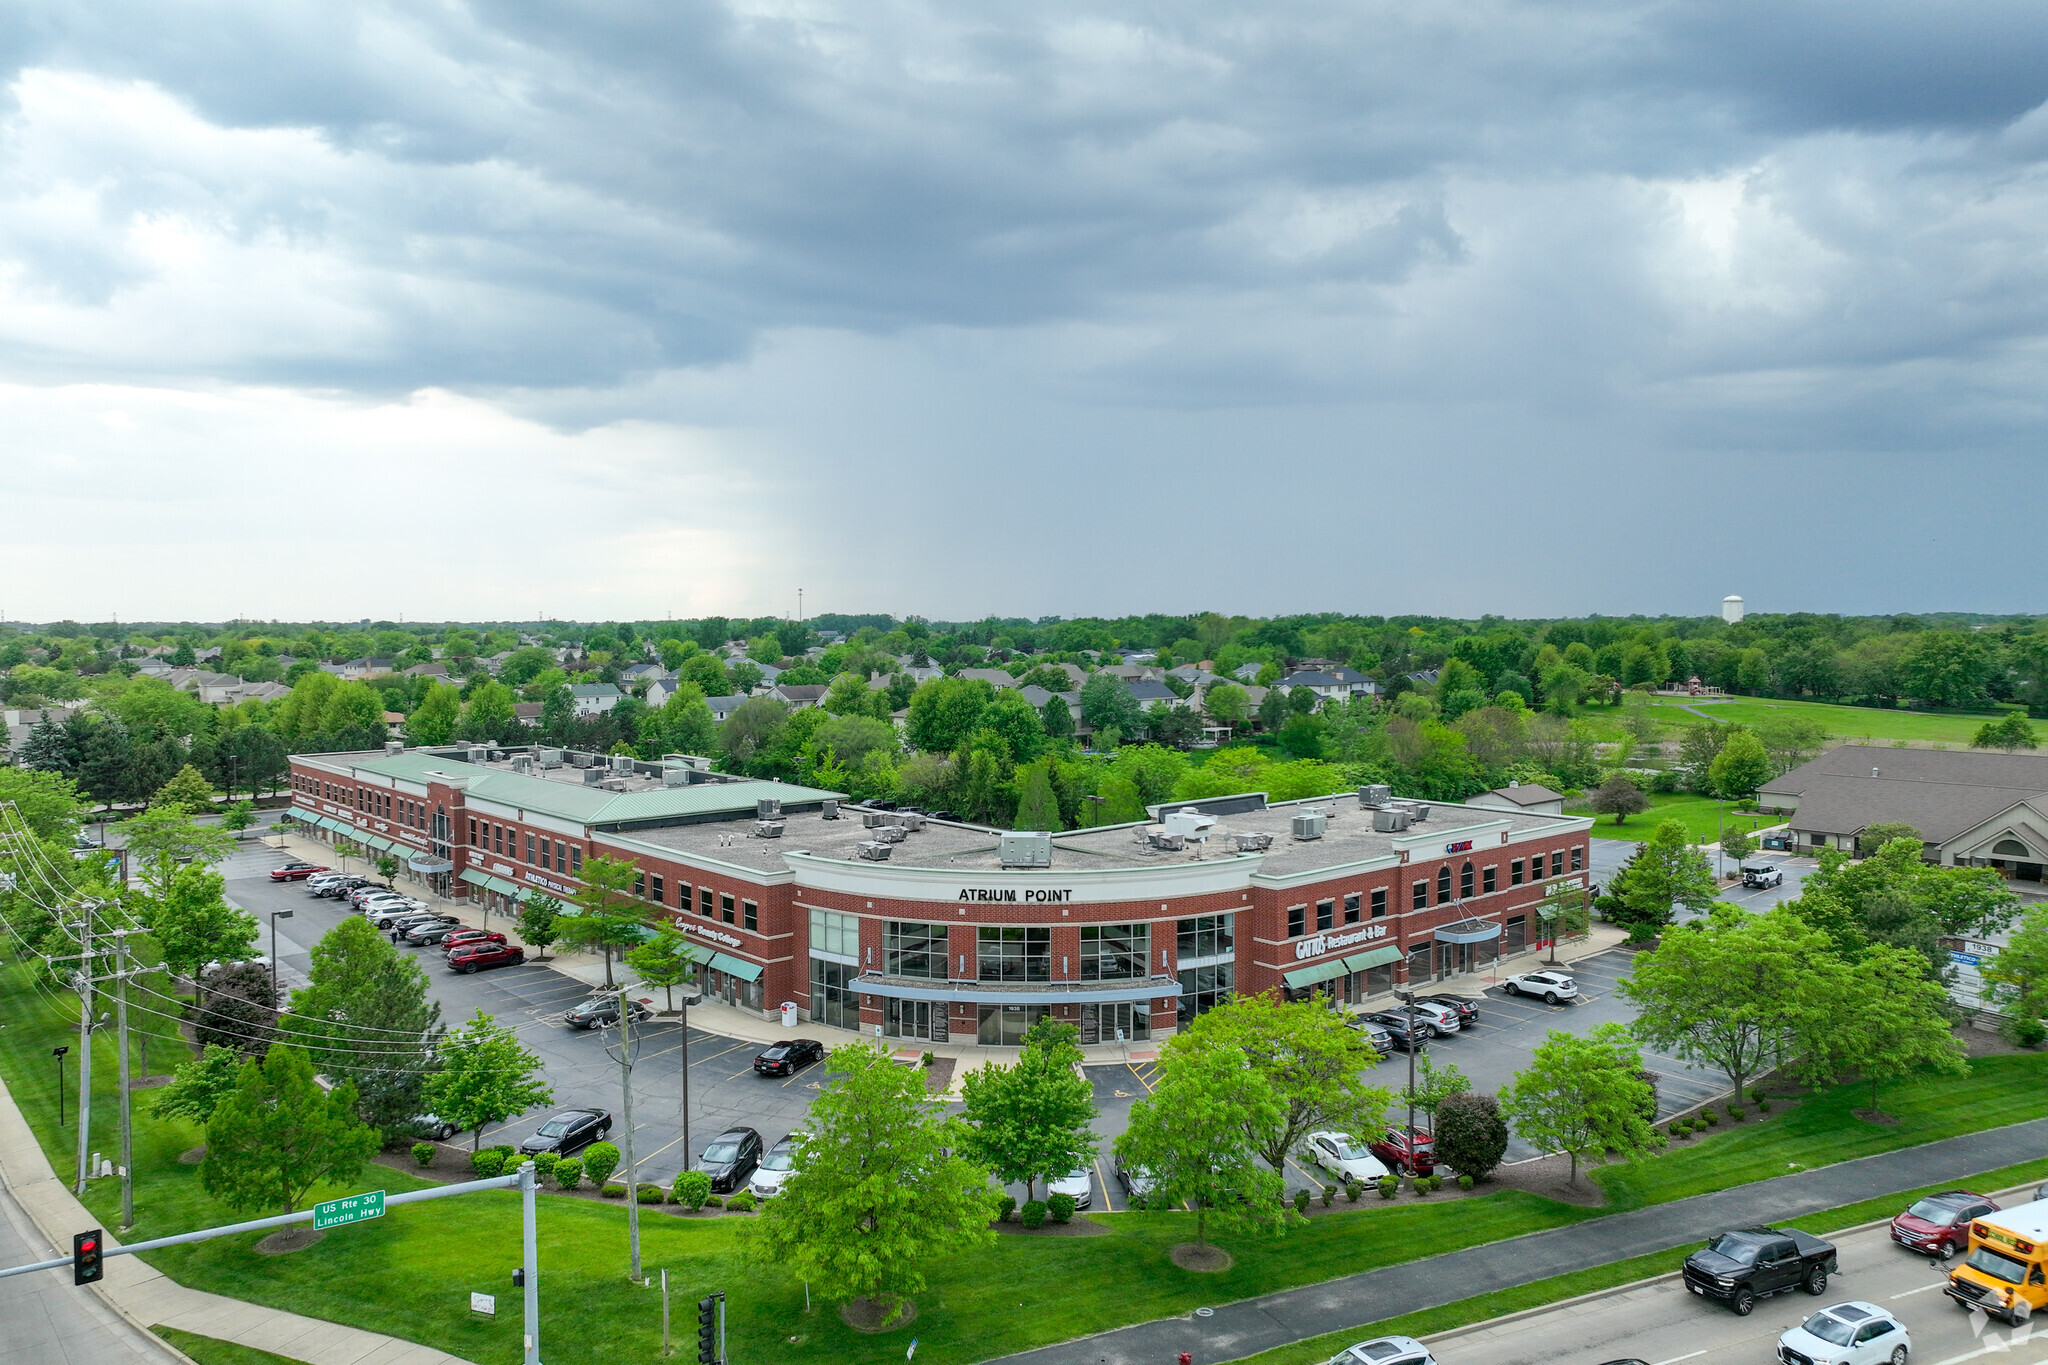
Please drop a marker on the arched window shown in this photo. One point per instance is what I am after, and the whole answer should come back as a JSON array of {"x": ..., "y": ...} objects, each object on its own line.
[
  {"x": 2011, "y": 848},
  {"x": 1443, "y": 884},
  {"x": 1465, "y": 881}
]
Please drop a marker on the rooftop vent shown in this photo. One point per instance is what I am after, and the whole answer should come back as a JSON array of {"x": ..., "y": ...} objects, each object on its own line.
[
  {"x": 615, "y": 784},
  {"x": 394, "y": 746},
  {"x": 1026, "y": 848},
  {"x": 1189, "y": 822},
  {"x": 892, "y": 834},
  {"x": 1390, "y": 821},
  {"x": 1420, "y": 812},
  {"x": 1164, "y": 841},
  {"x": 873, "y": 850},
  {"x": 1375, "y": 795},
  {"x": 768, "y": 808},
  {"x": 1252, "y": 843},
  {"x": 829, "y": 809},
  {"x": 1307, "y": 825},
  {"x": 767, "y": 829},
  {"x": 522, "y": 763}
]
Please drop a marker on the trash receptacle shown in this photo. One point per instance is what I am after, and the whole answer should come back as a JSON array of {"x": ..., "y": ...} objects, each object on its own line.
[{"x": 789, "y": 1014}]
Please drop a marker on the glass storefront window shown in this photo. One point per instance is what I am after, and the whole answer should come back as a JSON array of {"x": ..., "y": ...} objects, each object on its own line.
[
  {"x": 1014, "y": 953},
  {"x": 1100, "y": 1023},
  {"x": 917, "y": 950},
  {"x": 1006, "y": 1025},
  {"x": 1115, "y": 952},
  {"x": 1206, "y": 936},
  {"x": 1204, "y": 988},
  {"x": 923, "y": 1019},
  {"x": 830, "y": 933},
  {"x": 833, "y": 999}
]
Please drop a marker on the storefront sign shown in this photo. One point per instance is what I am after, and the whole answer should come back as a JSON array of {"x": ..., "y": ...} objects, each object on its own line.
[
  {"x": 1323, "y": 943},
  {"x": 1010, "y": 895},
  {"x": 693, "y": 927},
  {"x": 553, "y": 886},
  {"x": 1462, "y": 846}
]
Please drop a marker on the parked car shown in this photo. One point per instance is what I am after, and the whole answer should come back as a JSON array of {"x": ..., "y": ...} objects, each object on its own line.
[
  {"x": 1401, "y": 1030},
  {"x": 1748, "y": 1264},
  {"x": 1551, "y": 988},
  {"x": 775, "y": 1168},
  {"x": 1344, "y": 1156},
  {"x": 1854, "y": 1333},
  {"x": 474, "y": 957},
  {"x": 1466, "y": 1008},
  {"x": 1763, "y": 875},
  {"x": 1939, "y": 1225},
  {"x": 788, "y": 1058},
  {"x": 731, "y": 1158},
  {"x": 602, "y": 1011},
  {"x": 1440, "y": 1019},
  {"x": 457, "y": 937},
  {"x": 368, "y": 889},
  {"x": 1376, "y": 1035},
  {"x": 334, "y": 884},
  {"x": 295, "y": 871},
  {"x": 405, "y": 917},
  {"x": 431, "y": 1126},
  {"x": 1385, "y": 1351},
  {"x": 1076, "y": 1185},
  {"x": 1405, "y": 1149},
  {"x": 422, "y": 932},
  {"x": 569, "y": 1131},
  {"x": 1136, "y": 1180}
]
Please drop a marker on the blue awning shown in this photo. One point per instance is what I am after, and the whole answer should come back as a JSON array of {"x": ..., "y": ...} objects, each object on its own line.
[{"x": 1468, "y": 931}]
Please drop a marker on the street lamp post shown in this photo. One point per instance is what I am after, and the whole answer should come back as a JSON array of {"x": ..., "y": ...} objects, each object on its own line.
[
  {"x": 275, "y": 916},
  {"x": 57, "y": 1054},
  {"x": 1407, "y": 998}
]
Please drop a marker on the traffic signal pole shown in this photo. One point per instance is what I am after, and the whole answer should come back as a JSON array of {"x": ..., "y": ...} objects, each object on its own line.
[
  {"x": 626, "y": 1106},
  {"x": 530, "y": 1259}
]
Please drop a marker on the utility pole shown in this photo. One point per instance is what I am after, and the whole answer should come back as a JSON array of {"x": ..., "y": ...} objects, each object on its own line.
[
  {"x": 121, "y": 1029},
  {"x": 686, "y": 1082},
  {"x": 84, "y": 1047},
  {"x": 626, "y": 1107}
]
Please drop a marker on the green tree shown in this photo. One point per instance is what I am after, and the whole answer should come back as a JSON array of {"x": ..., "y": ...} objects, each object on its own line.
[
  {"x": 2014, "y": 732},
  {"x": 279, "y": 1134},
  {"x": 1736, "y": 843},
  {"x": 684, "y": 724},
  {"x": 666, "y": 960},
  {"x": 607, "y": 913},
  {"x": 1663, "y": 873},
  {"x": 198, "y": 1087},
  {"x": 1057, "y": 719},
  {"x": 1584, "y": 1097},
  {"x": 1434, "y": 1085},
  {"x": 877, "y": 1192},
  {"x": 1310, "y": 1060},
  {"x": 46, "y": 800},
  {"x": 1889, "y": 1021},
  {"x": 488, "y": 714},
  {"x": 2020, "y": 971},
  {"x": 434, "y": 718},
  {"x": 1107, "y": 704},
  {"x": 1037, "y": 807},
  {"x": 1619, "y": 796},
  {"x": 188, "y": 787},
  {"x": 193, "y": 924},
  {"x": 1874, "y": 837},
  {"x": 983, "y": 793},
  {"x": 753, "y": 728},
  {"x": 1737, "y": 992},
  {"x": 1227, "y": 704},
  {"x": 1698, "y": 747},
  {"x": 366, "y": 1007},
  {"x": 1030, "y": 1121},
  {"x": 1471, "y": 1136},
  {"x": 1121, "y": 803},
  {"x": 1947, "y": 667},
  {"x": 944, "y": 711},
  {"x": 484, "y": 1077},
  {"x": 1741, "y": 767},
  {"x": 1193, "y": 1137},
  {"x": 161, "y": 840}
]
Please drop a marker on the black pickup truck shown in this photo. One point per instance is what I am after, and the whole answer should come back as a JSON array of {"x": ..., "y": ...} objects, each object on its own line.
[{"x": 1754, "y": 1263}]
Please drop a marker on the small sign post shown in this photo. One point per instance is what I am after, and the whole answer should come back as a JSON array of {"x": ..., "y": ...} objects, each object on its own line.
[{"x": 354, "y": 1209}]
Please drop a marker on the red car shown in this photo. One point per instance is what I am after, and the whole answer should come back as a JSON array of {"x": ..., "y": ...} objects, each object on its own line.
[
  {"x": 294, "y": 871},
  {"x": 1939, "y": 1225},
  {"x": 476, "y": 956},
  {"x": 1405, "y": 1149},
  {"x": 462, "y": 937}
]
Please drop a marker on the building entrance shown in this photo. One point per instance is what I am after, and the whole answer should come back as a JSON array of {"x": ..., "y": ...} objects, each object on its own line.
[
  {"x": 915, "y": 1019},
  {"x": 1006, "y": 1025},
  {"x": 1099, "y": 1023}
]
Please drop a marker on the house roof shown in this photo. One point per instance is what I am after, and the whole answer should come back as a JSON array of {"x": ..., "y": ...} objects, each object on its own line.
[
  {"x": 1146, "y": 690},
  {"x": 594, "y": 690},
  {"x": 730, "y": 703},
  {"x": 1309, "y": 678},
  {"x": 1527, "y": 794},
  {"x": 994, "y": 677},
  {"x": 802, "y": 691},
  {"x": 1940, "y": 792}
]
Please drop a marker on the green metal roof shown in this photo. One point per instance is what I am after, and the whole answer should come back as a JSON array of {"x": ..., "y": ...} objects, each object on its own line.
[
  {"x": 1308, "y": 976},
  {"x": 590, "y": 805}
]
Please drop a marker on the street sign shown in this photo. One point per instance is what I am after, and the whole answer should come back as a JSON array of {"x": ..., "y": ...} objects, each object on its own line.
[{"x": 353, "y": 1209}]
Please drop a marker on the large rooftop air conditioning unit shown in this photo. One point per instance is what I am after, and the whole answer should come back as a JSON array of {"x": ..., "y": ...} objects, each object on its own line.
[
  {"x": 675, "y": 775},
  {"x": 1189, "y": 822},
  {"x": 768, "y": 808},
  {"x": 874, "y": 850},
  {"x": 892, "y": 834},
  {"x": 1307, "y": 825},
  {"x": 1165, "y": 842},
  {"x": 1252, "y": 843},
  {"x": 622, "y": 763},
  {"x": 1421, "y": 810},
  {"x": 767, "y": 829},
  {"x": 828, "y": 809},
  {"x": 1390, "y": 821},
  {"x": 550, "y": 758},
  {"x": 593, "y": 777},
  {"x": 522, "y": 763},
  {"x": 873, "y": 819},
  {"x": 1375, "y": 795},
  {"x": 1026, "y": 848},
  {"x": 394, "y": 746},
  {"x": 910, "y": 820}
]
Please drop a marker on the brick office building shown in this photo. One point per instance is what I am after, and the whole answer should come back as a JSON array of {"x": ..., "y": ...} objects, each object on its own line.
[{"x": 1126, "y": 931}]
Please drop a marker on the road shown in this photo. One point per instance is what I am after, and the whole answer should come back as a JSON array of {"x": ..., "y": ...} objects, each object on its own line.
[
  {"x": 47, "y": 1320},
  {"x": 1663, "y": 1324}
]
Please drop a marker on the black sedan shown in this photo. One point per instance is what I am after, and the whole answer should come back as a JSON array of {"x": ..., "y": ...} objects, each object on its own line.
[
  {"x": 731, "y": 1158},
  {"x": 569, "y": 1131},
  {"x": 786, "y": 1059},
  {"x": 1466, "y": 1008},
  {"x": 1405, "y": 1033},
  {"x": 602, "y": 1011}
]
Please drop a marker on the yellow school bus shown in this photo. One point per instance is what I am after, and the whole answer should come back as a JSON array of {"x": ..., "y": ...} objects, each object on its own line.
[{"x": 2006, "y": 1272}]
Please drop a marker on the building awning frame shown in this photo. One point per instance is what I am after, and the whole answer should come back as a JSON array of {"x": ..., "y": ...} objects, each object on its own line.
[
  {"x": 1468, "y": 931},
  {"x": 1051, "y": 993},
  {"x": 1303, "y": 977}
]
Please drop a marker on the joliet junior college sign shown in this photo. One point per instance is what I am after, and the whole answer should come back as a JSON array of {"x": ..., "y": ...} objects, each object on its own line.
[{"x": 1323, "y": 943}]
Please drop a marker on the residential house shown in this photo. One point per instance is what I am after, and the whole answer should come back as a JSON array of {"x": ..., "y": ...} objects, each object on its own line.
[
  {"x": 593, "y": 699},
  {"x": 1038, "y": 697},
  {"x": 436, "y": 670},
  {"x": 1146, "y": 691},
  {"x": 799, "y": 696},
  {"x": 1531, "y": 797},
  {"x": 721, "y": 707},
  {"x": 527, "y": 713},
  {"x": 1341, "y": 684}
]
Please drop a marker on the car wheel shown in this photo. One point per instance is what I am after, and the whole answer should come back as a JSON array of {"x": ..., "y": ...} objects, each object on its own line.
[
  {"x": 1946, "y": 1251},
  {"x": 1743, "y": 1303},
  {"x": 469, "y": 969},
  {"x": 1816, "y": 1282},
  {"x": 444, "y": 1132},
  {"x": 1512, "y": 989},
  {"x": 1898, "y": 1355},
  {"x": 2021, "y": 1311},
  {"x": 1550, "y": 997}
]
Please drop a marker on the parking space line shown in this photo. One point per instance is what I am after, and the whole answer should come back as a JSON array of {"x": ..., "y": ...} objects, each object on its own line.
[{"x": 1108, "y": 1199}]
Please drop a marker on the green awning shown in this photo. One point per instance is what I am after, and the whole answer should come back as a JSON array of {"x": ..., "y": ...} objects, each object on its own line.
[
  {"x": 475, "y": 878},
  {"x": 736, "y": 966},
  {"x": 1377, "y": 957},
  {"x": 382, "y": 845},
  {"x": 490, "y": 883},
  {"x": 1308, "y": 976}
]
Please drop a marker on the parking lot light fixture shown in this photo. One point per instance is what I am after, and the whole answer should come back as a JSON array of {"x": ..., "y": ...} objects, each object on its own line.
[{"x": 275, "y": 916}]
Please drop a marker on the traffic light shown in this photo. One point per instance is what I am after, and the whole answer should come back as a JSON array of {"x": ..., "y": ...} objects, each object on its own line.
[
  {"x": 707, "y": 1331},
  {"x": 85, "y": 1257}
]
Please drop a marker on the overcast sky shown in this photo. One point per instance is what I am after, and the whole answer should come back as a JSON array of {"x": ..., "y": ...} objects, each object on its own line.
[{"x": 622, "y": 309}]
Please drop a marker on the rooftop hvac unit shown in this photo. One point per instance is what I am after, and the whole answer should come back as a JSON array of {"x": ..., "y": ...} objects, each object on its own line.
[
  {"x": 615, "y": 784},
  {"x": 1375, "y": 795},
  {"x": 1164, "y": 842},
  {"x": 622, "y": 763},
  {"x": 910, "y": 820},
  {"x": 767, "y": 829},
  {"x": 592, "y": 776},
  {"x": 1189, "y": 822},
  {"x": 394, "y": 746},
  {"x": 1390, "y": 821},
  {"x": 1252, "y": 843},
  {"x": 577, "y": 760},
  {"x": 768, "y": 808},
  {"x": 675, "y": 776},
  {"x": 1308, "y": 825},
  {"x": 1421, "y": 810},
  {"x": 874, "y": 850},
  {"x": 1026, "y": 848},
  {"x": 550, "y": 758},
  {"x": 873, "y": 819},
  {"x": 892, "y": 834},
  {"x": 828, "y": 809},
  {"x": 522, "y": 763}
]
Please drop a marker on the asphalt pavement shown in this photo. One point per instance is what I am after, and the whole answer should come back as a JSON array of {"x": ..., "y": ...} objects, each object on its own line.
[
  {"x": 1258, "y": 1324},
  {"x": 47, "y": 1320}
]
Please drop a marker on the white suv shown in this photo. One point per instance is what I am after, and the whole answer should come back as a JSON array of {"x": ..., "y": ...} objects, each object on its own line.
[
  {"x": 1553, "y": 988},
  {"x": 1441, "y": 1019},
  {"x": 1385, "y": 1351}
]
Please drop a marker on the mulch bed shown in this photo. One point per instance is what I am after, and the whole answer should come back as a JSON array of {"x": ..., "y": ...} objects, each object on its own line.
[
  {"x": 1876, "y": 1116},
  {"x": 1077, "y": 1226},
  {"x": 865, "y": 1315},
  {"x": 938, "y": 1077},
  {"x": 1207, "y": 1260},
  {"x": 1550, "y": 1177},
  {"x": 287, "y": 1240}
]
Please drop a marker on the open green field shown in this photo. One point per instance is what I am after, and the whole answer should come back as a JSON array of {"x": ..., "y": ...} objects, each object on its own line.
[
  {"x": 410, "y": 1273},
  {"x": 1850, "y": 723},
  {"x": 1696, "y": 813}
]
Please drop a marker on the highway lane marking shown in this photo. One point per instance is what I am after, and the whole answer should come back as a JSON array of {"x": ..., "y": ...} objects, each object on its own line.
[
  {"x": 1675, "y": 1359},
  {"x": 1921, "y": 1290}
]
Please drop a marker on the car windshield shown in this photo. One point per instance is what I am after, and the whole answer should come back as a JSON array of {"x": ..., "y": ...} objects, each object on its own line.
[
  {"x": 1933, "y": 1211},
  {"x": 2000, "y": 1267},
  {"x": 1829, "y": 1328},
  {"x": 722, "y": 1152},
  {"x": 1737, "y": 1249},
  {"x": 1347, "y": 1150},
  {"x": 779, "y": 1160},
  {"x": 554, "y": 1128}
]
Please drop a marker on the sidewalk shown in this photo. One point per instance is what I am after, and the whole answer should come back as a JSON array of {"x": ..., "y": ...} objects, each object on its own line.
[{"x": 147, "y": 1298}]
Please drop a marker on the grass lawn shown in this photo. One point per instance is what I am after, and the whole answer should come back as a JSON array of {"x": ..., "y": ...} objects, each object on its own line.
[
  {"x": 1861, "y": 723},
  {"x": 410, "y": 1273},
  {"x": 1696, "y": 813},
  {"x": 211, "y": 1351}
]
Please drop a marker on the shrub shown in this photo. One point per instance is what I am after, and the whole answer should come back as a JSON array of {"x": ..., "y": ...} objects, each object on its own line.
[
  {"x": 1006, "y": 1207},
  {"x": 2026, "y": 1032},
  {"x": 423, "y": 1152},
  {"x": 487, "y": 1163},
  {"x": 1420, "y": 1184},
  {"x": 1301, "y": 1201},
  {"x": 1389, "y": 1186},
  {"x": 1666, "y": 782},
  {"x": 509, "y": 1152},
  {"x": 1681, "y": 1131},
  {"x": 651, "y": 1194},
  {"x": 568, "y": 1174},
  {"x": 1033, "y": 1215},
  {"x": 1758, "y": 1096},
  {"x": 1735, "y": 1113},
  {"x": 692, "y": 1188},
  {"x": 1059, "y": 1207},
  {"x": 1763, "y": 1106},
  {"x": 1353, "y": 1189},
  {"x": 1329, "y": 1195},
  {"x": 712, "y": 1201},
  {"x": 928, "y": 1058},
  {"x": 1464, "y": 1182},
  {"x": 600, "y": 1159},
  {"x": 1471, "y": 1136},
  {"x": 613, "y": 1190},
  {"x": 545, "y": 1162},
  {"x": 1709, "y": 1117},
  {"x": 743, "y": 1202}
]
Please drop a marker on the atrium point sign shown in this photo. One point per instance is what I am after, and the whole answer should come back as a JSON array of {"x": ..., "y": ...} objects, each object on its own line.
[
  {"x": 1323, "y": 943},
  {"x": 1010, "y": 895}
]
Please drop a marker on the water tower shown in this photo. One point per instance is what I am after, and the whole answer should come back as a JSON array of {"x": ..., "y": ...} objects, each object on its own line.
[{"x": 1731, "y": 609}]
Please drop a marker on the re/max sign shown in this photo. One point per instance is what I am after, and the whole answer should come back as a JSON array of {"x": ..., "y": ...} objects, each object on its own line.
[
  {"x": 1010, "y": 895},
  {"x": 1462, "y": 846}
]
